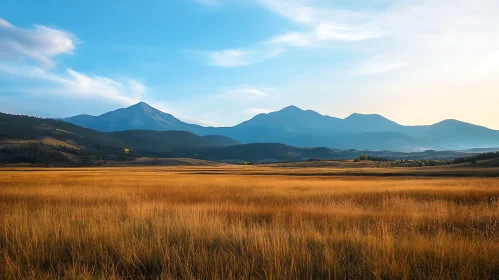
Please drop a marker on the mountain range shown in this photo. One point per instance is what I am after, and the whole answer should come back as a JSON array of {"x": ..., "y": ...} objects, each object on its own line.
[
  {"x": 306, "y": 128},
  {"x": 31, "y": 140}
]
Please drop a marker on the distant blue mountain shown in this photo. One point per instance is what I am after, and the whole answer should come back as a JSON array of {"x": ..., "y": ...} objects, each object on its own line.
[
  {"x": 369, "y": 123},
  {"x": 140, "y": 116},
  {"x": 307, "y": 128}
]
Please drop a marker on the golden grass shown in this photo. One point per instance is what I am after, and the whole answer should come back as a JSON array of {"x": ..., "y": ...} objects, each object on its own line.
[
  {"x": 55, "y": 142},
  {"x": 163, "y": 223}
]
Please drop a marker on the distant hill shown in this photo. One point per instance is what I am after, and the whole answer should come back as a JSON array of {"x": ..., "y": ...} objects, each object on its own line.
[
  {"x": 482, "y": 150},
  {"x": 275, "y": 152},
  {"x": 306, "y": 128},
  {"x": 163, "y": 142},
  {"x": 36, "y": 140},
  {"x": 454, "y": 134}
]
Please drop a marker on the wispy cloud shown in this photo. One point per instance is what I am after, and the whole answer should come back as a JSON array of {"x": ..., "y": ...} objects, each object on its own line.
[
  {"x": 256, "y": 111},
  {"x": 243, "y": 57},
  {"x": 40, "y": 43},
  {"x": 295, "y": 39},
  {"x": 43, "y": 44},
  {"x": 136, "y": 88},
  {"x": 245, "y": 91},
  {"x": 321, "y": 25},
  {"x": 369, "y": 68},
  {"x": 314, "y": 12},
  {"x": 324, "y": 33},
  {"x": 378, "y": 64},
  {"x": 70, "y": 82},
  {"x": 333, "y": 32},
  {"x": 440, "y": 34}
]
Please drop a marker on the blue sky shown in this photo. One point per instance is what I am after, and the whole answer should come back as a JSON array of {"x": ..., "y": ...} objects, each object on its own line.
[{"x": 220, "y": 62}]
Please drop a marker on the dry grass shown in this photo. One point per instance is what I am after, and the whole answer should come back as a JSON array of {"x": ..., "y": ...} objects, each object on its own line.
[
  {"x": 146, "y": 223},
  {"x": 45, "y": 140},
  {"x": 55, "y": 142}
]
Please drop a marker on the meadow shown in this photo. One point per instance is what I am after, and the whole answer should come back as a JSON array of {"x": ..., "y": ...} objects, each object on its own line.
[{"x": 245, "y": 223}]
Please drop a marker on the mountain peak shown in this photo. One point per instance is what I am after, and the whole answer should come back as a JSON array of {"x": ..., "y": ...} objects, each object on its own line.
[
  {"x": 140, "y": 116},
  {"x": 291, "y": 108},
  {"x": 454, "y": 122},
  {"x": 449, "y": 121},
  {"x": 141, "y": 104},
  {"x": 358, "y": 115},
  {"x": 371, "y": 123},
  {"x": 143, "y": 108}
]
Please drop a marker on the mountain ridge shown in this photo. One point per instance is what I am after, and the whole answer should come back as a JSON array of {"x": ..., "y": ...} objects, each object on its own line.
[
  {"x": 31, "y": 140},
  {"x": 307, "y": 128}
]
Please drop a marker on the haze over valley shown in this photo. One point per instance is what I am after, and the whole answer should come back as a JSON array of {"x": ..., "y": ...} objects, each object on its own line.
[{"x": 306, "y": 128}]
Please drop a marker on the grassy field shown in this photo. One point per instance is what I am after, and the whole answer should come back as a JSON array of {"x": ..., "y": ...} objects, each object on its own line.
[{"x": 245, "y": 222}]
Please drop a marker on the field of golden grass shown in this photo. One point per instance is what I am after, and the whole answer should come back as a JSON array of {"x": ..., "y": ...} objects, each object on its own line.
[{"x": 192, "y": 223}]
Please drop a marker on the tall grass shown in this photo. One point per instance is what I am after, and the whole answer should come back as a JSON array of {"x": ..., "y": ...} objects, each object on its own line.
[{"x": 147, "y": 224}]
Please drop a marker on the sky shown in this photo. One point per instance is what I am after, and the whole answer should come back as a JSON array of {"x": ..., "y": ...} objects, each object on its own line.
[{"x": 220, "y": 62}]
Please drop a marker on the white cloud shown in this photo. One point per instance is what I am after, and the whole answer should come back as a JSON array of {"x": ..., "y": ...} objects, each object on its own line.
[
  {"x": 369, "y": 68},
  {"x": 378, "y": 64},
  {"x": 444, "y": 39},
  {"x": 40, "y": 43},
  {"x": 244, "y": 94},
  {"x": 297, "y": 39},
  {"x": 246, "y": 91},
  {"x": 442, "y": 36},
  {"x": 323, "y": 23},
  {"x": 243, "y": 57},
  {"x": 76, "y": 84},
  {"x": 136, "y": 88},
  {"x": 333, "y": 32},
  {"x": 314, "y": 13},
  {"x": 256, "y": 111}
]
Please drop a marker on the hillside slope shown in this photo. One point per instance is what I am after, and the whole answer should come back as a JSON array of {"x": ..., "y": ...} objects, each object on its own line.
[
  {"x": 163, "y": 142},
  {"x": 30, "y": 139}
]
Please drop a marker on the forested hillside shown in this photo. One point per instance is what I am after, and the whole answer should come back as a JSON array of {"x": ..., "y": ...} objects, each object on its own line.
[{"x": 25, "y": 139}]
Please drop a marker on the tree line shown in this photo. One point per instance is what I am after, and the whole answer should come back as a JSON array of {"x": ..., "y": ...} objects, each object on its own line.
[{"x": 431, "y": 162}]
